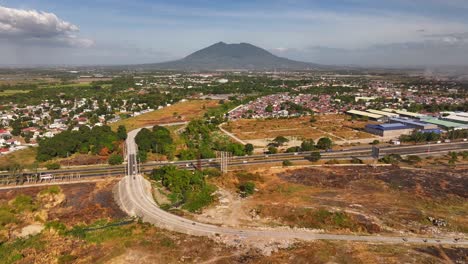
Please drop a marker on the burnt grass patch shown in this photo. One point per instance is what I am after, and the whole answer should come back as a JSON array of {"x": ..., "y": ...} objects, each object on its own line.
[{"x": 425, "y": 182}]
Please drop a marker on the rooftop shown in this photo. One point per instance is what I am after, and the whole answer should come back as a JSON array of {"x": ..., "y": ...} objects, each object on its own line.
[{"x": 362, "y": 113}]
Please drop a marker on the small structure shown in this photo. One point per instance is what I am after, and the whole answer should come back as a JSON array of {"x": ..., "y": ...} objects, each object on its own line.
[
  {"x": 404, "y": 113},
  {"x": 389, "y": 130}
]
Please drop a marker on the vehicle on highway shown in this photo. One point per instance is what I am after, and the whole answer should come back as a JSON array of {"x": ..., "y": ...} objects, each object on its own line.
[{"x": 47, "y": 176}]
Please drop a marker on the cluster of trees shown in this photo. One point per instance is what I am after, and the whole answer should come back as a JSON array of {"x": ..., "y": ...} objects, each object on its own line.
[
  {"x": 200, "y": 142},
  {"x": 98, "y": 140},
  {"x": 454, "y": 134},
  {"x": 157, "y": 140},
  {"x": 188, "y": 188},
  {"x": 420, "y": 137}
]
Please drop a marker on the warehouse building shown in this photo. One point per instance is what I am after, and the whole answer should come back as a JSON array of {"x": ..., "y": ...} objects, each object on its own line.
[
  {"x": 415, "y": 124},
  {"x": 389, "y": 130},
  {"x": 371, "y": 116},
  {"x": 382, "y": 113},
  {"x": 457, "y": 117},
  {"x": 447, "y": 125},
  {"x": 404, "y": 113}
]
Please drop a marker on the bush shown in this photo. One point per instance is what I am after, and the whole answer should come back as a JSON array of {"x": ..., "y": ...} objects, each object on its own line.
[
  {"x": 6, "y": 216},
  {"x": 115, "y": 159},
  {"x": 53, "y": 166},
  {"x": 391, "y": 159},
  {"x": 212, "y": 172},
  {"x": 24, "y": 203},
  {"x": 375, "y": 142},
  {"x": 413, "y": 159},
  {"x": 197, "y": 199},
  {"x": 293, "y": 149},
  {"x": 332, "y": 162},
  {"x": 272, "y": 150},
  {"x": 52, "y": 190},
  {"x": 287, "y": 163},
  {"x": 356, "y": 161},
  {"x": 315, "y": 156},
  {"x": 324, "y": 143},
  {"x": 247, "y": 189}
]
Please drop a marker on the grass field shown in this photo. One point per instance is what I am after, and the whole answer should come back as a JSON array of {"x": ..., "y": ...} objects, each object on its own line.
[
  {"x": 179, "y": 112},
  {"x": 12, "y": 92},
  {"x": 336, "y": 127},
  {"x": 25, "y": 157}
]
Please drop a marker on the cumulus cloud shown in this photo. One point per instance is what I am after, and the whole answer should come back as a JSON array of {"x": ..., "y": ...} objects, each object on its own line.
[{"x": 32, "y": 27}]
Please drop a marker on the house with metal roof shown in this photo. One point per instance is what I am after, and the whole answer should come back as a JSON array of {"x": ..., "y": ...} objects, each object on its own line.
[
  {"x": 382, "y": 113},
  {"x": 444, "y": 124}
]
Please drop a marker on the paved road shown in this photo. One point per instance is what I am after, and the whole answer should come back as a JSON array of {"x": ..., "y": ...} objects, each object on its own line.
[{"x": 133, "y": 193}]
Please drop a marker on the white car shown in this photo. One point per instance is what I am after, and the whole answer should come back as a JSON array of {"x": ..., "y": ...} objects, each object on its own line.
[{"x": 244, "y": 161}]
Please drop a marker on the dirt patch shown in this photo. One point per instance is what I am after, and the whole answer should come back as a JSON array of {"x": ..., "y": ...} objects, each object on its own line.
[{"x": 423, "y": 182}]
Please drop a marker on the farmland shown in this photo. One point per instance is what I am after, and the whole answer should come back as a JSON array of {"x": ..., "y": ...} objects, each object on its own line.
[{"x": 179, "y": 112}]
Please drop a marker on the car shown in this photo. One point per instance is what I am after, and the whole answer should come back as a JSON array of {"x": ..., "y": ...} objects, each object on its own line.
[
  {"x": 465, "y": 139},
  {"x": 244, "y": 161},
  {"x": 447, "y": 141},
  {"x": 438, "y": 142},
  {"x": 295, "y": 153}
]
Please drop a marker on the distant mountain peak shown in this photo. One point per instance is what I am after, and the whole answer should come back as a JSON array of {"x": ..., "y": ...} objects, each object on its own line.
[{"x": 233, "y": 56}]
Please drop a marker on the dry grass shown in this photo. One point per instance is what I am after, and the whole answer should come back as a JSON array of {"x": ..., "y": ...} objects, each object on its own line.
[
  {"x": 25, "y": 157},
  {"x": 336, "y": 127},
  {"x": 179, "y": 112}
]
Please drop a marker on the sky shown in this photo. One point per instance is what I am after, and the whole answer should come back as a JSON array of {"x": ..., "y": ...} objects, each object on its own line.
[{"x": 333, "y": 32}]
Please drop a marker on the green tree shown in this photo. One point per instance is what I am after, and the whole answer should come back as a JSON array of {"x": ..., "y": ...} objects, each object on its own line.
[
  {"x": 272, "y": 150},
  {"x": 315, "y": 156},
  {"x": 308, "y": 145},
  {"x": 287, "y": 163},
  {"x": 249, "y": 148},
  {"x": 122, "y": 132},
  {"x": 280, "y": 140},
  {"x": 115, "y": 159},
  {"x": 324, "y": 143}
]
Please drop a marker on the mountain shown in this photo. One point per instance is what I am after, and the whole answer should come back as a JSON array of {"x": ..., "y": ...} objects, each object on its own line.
[{"x": 222, "y": 56}]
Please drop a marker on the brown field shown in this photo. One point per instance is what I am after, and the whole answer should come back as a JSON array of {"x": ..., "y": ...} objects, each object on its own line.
[
  {"x": 85, "y": 204},
  {"x": 336, "y": 127},
  {"x": 361, "y": 199},
  {"x": 179, "y": 112}
]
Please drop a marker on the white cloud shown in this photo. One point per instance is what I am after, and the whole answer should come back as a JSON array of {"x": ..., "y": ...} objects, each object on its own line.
[{"x": 31, "y": 27}]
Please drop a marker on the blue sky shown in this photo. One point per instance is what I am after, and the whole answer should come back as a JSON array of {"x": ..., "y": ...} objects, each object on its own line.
[{"x": 363, "y": 32}]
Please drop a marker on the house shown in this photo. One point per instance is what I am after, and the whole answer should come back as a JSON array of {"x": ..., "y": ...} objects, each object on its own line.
[{"x": 389, "y": 130}]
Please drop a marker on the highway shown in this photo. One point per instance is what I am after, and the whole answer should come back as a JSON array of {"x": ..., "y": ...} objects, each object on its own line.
[
  {"x": 134, "y": 195},
  {"x": 360, "y": 152}
]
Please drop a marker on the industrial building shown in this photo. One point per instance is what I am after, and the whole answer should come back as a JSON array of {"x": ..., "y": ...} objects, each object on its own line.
[
  {"x": 371, "y": 116},
  {"x": 404, "y": 113},
  {"x": 458, "y": 117},
  {"x": 382, "y": 113},
  {"x": 447, "y": 125},
  {"x": 389, "y": 130},
  {"x": 415, "y": 124}
]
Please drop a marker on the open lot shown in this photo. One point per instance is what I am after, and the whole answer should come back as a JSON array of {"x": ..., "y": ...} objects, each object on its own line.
[
  {"x": 337, "y": 127},
  {"x": 179, "y": 112},
  {"x": 85, "y": 209},
  {"x": 354, "y": 199}
]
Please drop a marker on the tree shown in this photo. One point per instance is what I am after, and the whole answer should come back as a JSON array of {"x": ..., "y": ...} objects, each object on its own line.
[
  {"x": 287, "y": 163},
  {"x": 272, "y": 150},
  {"x": 53, "y": 166},
  {"x": 269, "y": 109},
  {"x": 249, "y": 148},
  {"x": 308, "y": 145},
  {"x": 315, "y": 156},
  {"x": 375, "y": 142},
  {"x": 122, "y": 132},
  {"x": 280, "y": 140},
  {"x": 324, "y": 143},
  {"x": 115, "y": 159}
]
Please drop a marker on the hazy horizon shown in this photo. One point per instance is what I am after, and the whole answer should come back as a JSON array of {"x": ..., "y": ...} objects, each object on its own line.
[{"x": 420, "y": 33}]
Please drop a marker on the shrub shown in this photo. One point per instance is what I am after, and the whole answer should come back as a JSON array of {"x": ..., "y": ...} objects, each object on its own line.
[
  {"x": 24, "y": 203},
  {"x": 324, "y": 143},
  {"x": 212, "y": 172},
  {"x": 247, "y": 189},
  {"x": 332, "y": 162},
  {"x": 6, "y": 216},
  {"x": 52, "y": 190},
  {"x": 272, "y": 150},
  {"x": 287, "y": 163},
  {"x": 115, "y": 159},
  {"x": 375, "y": 142},
  {"x": 315, "y": 156},
  {"x": 53, "y": 166},
  {"x": 413, "y": 159},
  {"x": 195, "y": 200}
]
